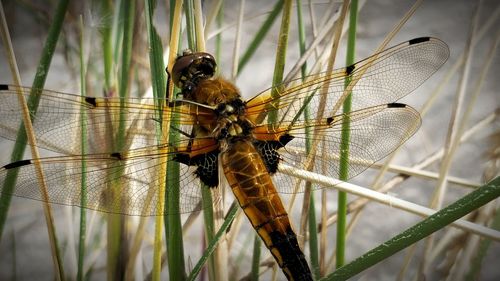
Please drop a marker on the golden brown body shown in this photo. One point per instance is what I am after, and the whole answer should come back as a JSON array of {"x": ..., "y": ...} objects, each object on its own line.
[
  {"x": 247, "y": 174},
  {"x": 253, "y": 188}
]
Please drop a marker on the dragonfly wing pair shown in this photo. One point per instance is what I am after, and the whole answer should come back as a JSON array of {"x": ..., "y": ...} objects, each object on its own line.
[{"x": 377, "y": 127}]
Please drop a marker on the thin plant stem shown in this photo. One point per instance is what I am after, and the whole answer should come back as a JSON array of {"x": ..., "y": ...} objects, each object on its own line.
[
  {"x": 107, "y": 46},
  {"x": 344, "y": 144},
  {"x": 158, "y": 85},
  {"x": 84, "y": 148},
  {"x": 313, "y": 233},
  {"x": 115, "y": 226},
  {"x": 173, "y": 226}
]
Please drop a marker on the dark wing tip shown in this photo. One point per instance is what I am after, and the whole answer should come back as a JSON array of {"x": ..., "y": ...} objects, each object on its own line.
[
  {"x": 396, "y": 104},
  {"x": 4, "y": 87},
  {"x": 419, "y": 40},
  {"x": 17, "y": 164}
]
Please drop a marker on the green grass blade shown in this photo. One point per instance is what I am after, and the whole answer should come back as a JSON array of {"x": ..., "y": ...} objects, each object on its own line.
[
  {"x": 117, "y": 29},
  {"x": 313, "y": 231},
  {"x": 83, "y": 143},
  {"x": 254, "y": 273},
  {"x": 191, "y": 37},
  {"x": 128, "y": 29},
  {"x": 344, "y": 144},
  {"x": 115, "y": 228},
  {"x": 279, "y": 65},
  {"x": 209, "y": 224},
  {"x": 437, "y": 221},
  {"x": 172, "y": 220},
  {"x": 196, "y": 42},
  {"x": 158, "y": 83},
  {"x": 175, "y": 248},
  {"x": 157, "y": 66},
  {"x": 107, "y": 48},
  {"x": 213, "y": 244},
  {"x": 218, "y": 37},
  {"x": 259, "y": 36}
]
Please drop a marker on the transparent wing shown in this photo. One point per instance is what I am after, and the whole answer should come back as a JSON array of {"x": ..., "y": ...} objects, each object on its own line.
[
  {"x": 125, "y": 180},
  {"x": 124, "y": 183},
  {"x": 377, "y": 125},
  {"x": 57, "y": 119},
  {"x": 374, "y": 133},
  {"x": 382, "y": 78}
]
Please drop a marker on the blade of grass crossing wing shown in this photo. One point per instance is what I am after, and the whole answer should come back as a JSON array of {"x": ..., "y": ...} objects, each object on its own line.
[
  {"x": 344, "y": 145},
  {"x": 158, "y": 84},
  {"x": 313, "y": 233},
  {"x": 115, "y": 227},
  {"x": 172, "y": 220},
  {"x": 216, "y": 263},
  {"x": 83, "y": 144},
  {"x": 279, "y": 65}
]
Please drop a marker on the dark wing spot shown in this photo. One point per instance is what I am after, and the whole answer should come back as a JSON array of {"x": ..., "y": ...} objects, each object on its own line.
[
  {"x": 350, "y": 69},
  {"x": 418, "y": 40},
  {"x": 396, "y": 104},
  {"x": 91, "y": 100},
  {"x": 4, "y": 87},
  {"x": 182, "y": 158},
  {"x": 284, "y": 139},
  {"x": 17, "y": 164},
  {"x": 117, "y": 155}
]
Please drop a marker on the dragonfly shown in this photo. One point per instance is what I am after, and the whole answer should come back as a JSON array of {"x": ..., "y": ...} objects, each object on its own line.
[{"x": 216, "y": 128}]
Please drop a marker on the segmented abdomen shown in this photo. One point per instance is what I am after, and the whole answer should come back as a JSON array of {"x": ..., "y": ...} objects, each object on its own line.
[{"x": 253, "y": 188}]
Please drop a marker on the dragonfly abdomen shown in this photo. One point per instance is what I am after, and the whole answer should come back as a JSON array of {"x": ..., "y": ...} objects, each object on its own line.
[{"x": 253, "y": 188}]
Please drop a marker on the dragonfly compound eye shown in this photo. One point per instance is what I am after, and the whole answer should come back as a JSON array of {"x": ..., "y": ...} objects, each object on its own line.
[{"x": 193, "y": 67}]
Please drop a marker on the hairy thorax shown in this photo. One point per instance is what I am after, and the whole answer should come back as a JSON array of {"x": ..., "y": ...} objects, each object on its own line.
[{"x": 231, "y": 122}]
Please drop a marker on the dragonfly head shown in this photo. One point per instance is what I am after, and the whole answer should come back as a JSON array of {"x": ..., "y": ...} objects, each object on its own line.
[{"x": 191, "y": 68}]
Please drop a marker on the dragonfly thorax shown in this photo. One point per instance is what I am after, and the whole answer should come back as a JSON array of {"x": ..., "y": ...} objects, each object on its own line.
[{"x": 231, "y": 121}]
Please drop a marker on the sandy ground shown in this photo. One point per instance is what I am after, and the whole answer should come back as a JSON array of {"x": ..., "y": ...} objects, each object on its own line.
[{"x": 448, "y": 20}]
